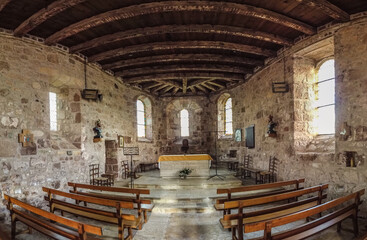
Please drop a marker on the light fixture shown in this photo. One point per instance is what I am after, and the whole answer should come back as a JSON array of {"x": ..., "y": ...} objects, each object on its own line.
[{"x": 90, "y": 94}]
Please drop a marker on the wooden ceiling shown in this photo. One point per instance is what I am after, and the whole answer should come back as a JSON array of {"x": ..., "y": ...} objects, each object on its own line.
[{"x": 175, "y": 48}]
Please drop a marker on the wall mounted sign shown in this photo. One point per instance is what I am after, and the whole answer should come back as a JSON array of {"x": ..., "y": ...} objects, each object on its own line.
[
  {"x": 26, "y": 138},
  {"x": 120, "y": 141}
]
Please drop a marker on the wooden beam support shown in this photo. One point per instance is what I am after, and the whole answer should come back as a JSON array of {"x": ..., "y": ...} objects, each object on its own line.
[
  {"x": 328, "y": 8},
  {"x": 209, "y": 87},
  {"x": 193, "y": 90},
  {"x": 152, "y": 86},
  {"x": 167, "y": 89},
  {"x": 216, "y": 84},
  {"x": 182, "y": 29},
  {"x": 179, "y": 6},
  {"x": 184, "y": 85},
  {"x": 202, "y": 89},
  {"x": 170, "y": 76},
  {"x": 3, "y": 3},
  {"x": 159, "y": 88},
  {"x": 179, "y": 58},
  {"x": 175, "y": 91},
  {"x": 44, "y": 14},
  {"x": 187, "y": 45},
  {"x": 182, "y": 68}
]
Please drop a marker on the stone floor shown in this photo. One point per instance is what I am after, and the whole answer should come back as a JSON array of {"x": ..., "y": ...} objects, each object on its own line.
[{"x": 184, "y": 210}]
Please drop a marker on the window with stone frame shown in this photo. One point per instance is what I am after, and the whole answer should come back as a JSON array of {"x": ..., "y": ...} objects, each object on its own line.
[
  {"x": 53, "y": 111},
  {"x": 184, "y": 120},
  {"x": 325, "y": 98},
  {"x": 144, "y": 119},
  {"x": 228, "y": 126},
  {"x": 221, "y": 111},
  {"x": 140, "y": 115}
]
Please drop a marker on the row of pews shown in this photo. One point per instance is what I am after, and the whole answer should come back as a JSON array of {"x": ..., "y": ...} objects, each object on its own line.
[
  {"x": 281, "y": 203},
  {"x": 123, "y": 207}
]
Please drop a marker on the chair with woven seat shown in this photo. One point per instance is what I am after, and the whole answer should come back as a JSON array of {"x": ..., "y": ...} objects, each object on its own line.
[
  {"x": 125, "y": 169},
  {"x": 95, "y": 179},
  {"x": 269, "y": 175}
]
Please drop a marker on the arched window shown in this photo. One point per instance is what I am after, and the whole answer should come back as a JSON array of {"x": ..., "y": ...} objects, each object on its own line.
[
  {"x": 140, "y": 112},
  {"x": 228, "y": 117},
  {"x": 184, "y": 118},
  {"x": 325, "y": 102}
]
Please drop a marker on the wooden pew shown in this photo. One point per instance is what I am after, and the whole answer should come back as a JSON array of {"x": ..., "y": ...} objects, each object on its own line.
[
  {"x": 142, "y": 205},
  {"x": 272, "y": 187},
  {"x": 347, "y": 207},
  {"x": 232, "y": 221},
  {"x": 37, "y": 219},
  {"x": 123, "y": 221},
  {"x": 3, "y": 235}
]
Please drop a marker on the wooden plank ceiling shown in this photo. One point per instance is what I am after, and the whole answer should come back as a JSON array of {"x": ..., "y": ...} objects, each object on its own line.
[{"x": 175, "y": 48}]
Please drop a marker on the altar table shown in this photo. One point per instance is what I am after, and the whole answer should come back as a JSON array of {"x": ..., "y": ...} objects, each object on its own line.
[{"x": 171, "y": 165}]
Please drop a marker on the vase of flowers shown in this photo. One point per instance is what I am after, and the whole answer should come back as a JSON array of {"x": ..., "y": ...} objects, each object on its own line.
[{"x": 184, "y": 173}]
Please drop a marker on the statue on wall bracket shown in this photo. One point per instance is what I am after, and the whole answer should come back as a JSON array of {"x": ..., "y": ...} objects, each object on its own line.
[
  {"x": 271, "y": 125},
  {"x": 98, "y": 131}
]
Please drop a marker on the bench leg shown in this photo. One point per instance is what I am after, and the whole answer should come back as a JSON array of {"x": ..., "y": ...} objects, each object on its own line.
[
  {"x": 355, "y": 224},
  {"x": 145, "y": 216},
  {"x": 13, "y": 227},
  {"x": 339, "y": 226},
  {"x": 121, "y": 229},
  {"x": 234, "y": 233}
]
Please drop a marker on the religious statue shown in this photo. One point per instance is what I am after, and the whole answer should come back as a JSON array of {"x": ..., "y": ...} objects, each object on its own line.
[
  {"x": 98, "y": 129},
  {"x": 271, "y": 125}
]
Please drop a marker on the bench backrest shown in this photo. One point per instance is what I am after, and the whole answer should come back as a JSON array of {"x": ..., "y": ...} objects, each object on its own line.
[
  {"x": 274, "y": 198},
  {"x": 99, "y": 201},
  {"x": 109, "y": 189},
  {"x": 64, "y": 221},
  {"x": 269, "y": 224}
]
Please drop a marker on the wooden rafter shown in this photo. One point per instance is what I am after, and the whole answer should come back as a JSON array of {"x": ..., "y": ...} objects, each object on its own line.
[
  {"x": 146, "y": 88},
  {"x": 168, "y": 88},
  {"x": 328, "y": 8},
  {"x": 182, "y": 68},
  {"x": 170, "y": 29},
  {"x": 209, "y": 87},
  {"x": 179, "y": 6},
  {"x": 184, "y": 85},
  {"x": 216, "y": 84},
  {"x": 175, "y": 91},
  {"x": 202, "y": 89},
  {"x": 44, "y": 14},
  {"x": 3, "y": 3},
  {"x": 179, "y": 58},
  {"x": 164, "y": 46},
  {"x": 170, "y": 76},
  {"x": 159, "y": 88},
  {"x": 193, "y": 90}
]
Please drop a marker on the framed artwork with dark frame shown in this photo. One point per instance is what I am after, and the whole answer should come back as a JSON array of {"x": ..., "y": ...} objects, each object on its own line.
[
  {"x": 120, "y": 141},
  {"x": 250, "y": 136},
  {"x": 238, "y": 135}
]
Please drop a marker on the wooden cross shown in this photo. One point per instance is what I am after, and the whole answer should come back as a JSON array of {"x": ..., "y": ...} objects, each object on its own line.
[{"x": 26, "y": 138}]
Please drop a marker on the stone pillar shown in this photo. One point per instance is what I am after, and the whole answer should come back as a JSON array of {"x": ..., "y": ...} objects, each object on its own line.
[{"x": 111, "y": 157}]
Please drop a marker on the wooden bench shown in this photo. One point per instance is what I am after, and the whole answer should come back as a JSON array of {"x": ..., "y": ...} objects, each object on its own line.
[
  {"x": 123, "y": 221},
  {"x": 39, "y": 220},
  {"x": 3, "y": 235},
  {"x": 272, "y": 188},
  {"x": 142, "y": 205},
  {"x": 232, "y": 221},
  {"x": 347, "y": 207}
]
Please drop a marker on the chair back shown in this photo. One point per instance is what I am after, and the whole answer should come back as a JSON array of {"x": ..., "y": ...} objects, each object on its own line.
[
  {"x": 93, "y": 172},
  {"x": 248, "y": 161}
]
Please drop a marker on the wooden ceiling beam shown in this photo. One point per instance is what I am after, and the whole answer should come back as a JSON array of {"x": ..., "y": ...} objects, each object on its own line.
[
  {"x": 182, "y": 68},
  {"x": 328, "y": 8},
  {"x": 193, "y": 90},
  {"x": 209, "y": 87},
  {"x": 175, "y": 91},
  {"x": 167, "y": 89},
  {"x": 146, "y": 88},
  {"x": 179, "y": 6},
  {"x": 216, "y": 84},
  {"x": 170, "y": 76},
  {"x": 188, "y": 45},
  {"x": 44, "y": 14},
  {"x": 202, "y": 89},
  {"x": 178, "y": 58},
  {"x": 3, "y": 3},
  {"x": 184, "y": 85},
  {"x": 179, "y": 29},
  {"x": 159, "y": 88}
]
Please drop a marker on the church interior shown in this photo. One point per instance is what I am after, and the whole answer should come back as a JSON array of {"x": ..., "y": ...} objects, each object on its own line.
[{"x": 140, "y": 119}]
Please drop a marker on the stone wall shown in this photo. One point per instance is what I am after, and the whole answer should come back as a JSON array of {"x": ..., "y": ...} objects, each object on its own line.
[
  {"x": 301, "y": 153},
  {"x": 28, "y": 72}
]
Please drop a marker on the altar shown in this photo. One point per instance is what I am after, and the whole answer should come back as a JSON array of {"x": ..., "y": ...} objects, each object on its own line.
[{"x": 171, "y": 165}]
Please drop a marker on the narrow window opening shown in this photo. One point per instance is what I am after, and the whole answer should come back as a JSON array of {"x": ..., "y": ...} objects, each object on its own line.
[
  {"x": 53, "y": 111},
  {"x": 228, "y": 128},
  {"x": 141, "y": 118},
  {"x": 184, "y": 116}
]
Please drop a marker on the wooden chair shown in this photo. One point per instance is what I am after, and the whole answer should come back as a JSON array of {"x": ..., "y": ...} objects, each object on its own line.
[
  {"x": 269, "y": 175},
  {"x": 40, "y": 220},
  {"x": 248, "y": 169},
  {"x": 95, "y": 179},
  {"x": 125, "y": 169}
]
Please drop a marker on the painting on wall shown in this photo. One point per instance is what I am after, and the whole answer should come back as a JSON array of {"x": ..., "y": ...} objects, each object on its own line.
[
  {"x": 250, "y": 136},
  {"x": 238, "y": 135},
  {"x": 120, "y": 141}
]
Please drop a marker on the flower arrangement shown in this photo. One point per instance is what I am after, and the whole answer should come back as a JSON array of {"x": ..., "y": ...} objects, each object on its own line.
[{"x": 185, "y": 172}]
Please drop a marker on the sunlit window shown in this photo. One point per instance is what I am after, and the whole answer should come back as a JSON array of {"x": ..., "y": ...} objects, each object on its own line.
[
  {"x": 140, "y": 112},
  {"x": 325, "y": 103},
  {"x": 184, "y": 117},
  {"x": 228, "y": 117},
  {"x": 53, "y": 111}
]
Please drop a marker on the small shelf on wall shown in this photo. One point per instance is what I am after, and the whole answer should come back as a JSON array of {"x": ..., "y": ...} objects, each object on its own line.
[{"x": 97, "y": 140}]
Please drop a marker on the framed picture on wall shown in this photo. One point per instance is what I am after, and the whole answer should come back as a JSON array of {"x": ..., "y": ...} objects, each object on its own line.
[
  {"x": 120, "y": 141},
  {"x": 238, "y": 135},
  {"x": 250, "y": 136}
]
